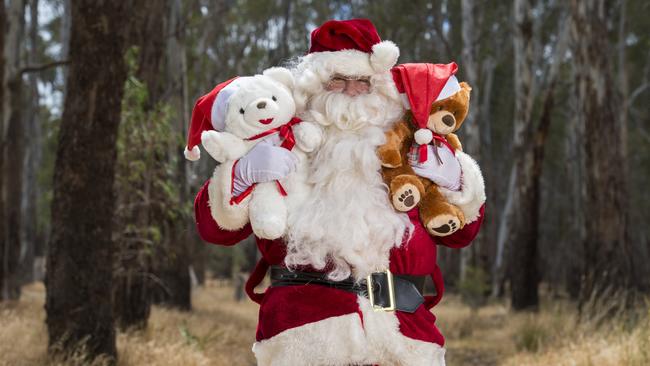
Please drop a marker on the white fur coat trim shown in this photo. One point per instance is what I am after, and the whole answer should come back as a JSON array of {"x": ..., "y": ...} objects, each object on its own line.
[
  {"x": 471, "y": 195},
  {"x": 344, "y": 340}
]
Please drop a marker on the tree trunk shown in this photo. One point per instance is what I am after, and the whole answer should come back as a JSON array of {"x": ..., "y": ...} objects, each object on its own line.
[
  {"x": 487, "y": 251},
  {"x": 3, "y": 257},
  {"x": 66, "y": 25},
  {"x": 79, "y": 263},
  {"x": 606, "y": 248},
  {"x": 575, "y": 151},
  {"x": 476, "y": 255},
  {"x": 529, "y": 142},
  {"x": 30, "y": 228},
  {"x": 151, "y": 37},
  {"x": 13, "y": 151},
  {"x": 520, "y": 224}
]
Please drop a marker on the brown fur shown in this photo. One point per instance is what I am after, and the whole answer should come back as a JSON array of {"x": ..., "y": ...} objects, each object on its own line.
[{"x": 397, "y": 172}]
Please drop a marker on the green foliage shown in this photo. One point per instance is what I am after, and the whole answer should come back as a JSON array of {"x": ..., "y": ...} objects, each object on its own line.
[
  {"x": 474, "y": 287},
  {"x": 145, "y": 183}
]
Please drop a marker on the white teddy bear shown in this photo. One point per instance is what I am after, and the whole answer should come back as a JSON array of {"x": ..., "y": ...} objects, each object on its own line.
[{"x": 242, "y": 113}]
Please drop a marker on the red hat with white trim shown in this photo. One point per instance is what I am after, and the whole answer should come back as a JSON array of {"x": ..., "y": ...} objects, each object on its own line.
[
  {"x": 209, "y": 113},
  {"x": 352, "y": 47},
  {"x": 422, "y": 84}
]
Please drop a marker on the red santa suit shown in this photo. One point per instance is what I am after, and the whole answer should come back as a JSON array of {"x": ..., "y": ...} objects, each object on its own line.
[
  {"x": 314, "y": 308},
  {"x": 318, "y": 325}
]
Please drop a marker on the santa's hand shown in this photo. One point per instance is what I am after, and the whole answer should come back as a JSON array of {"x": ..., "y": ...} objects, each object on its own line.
[
  {"x": 264, "y": 163},
  {"x": 446, "y": 174}
]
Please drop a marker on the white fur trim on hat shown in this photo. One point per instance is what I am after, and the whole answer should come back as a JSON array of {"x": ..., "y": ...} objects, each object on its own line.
[
  {"x": 384, "y": 56},
  {"x": 451, "y": 87},
  {"x": 220, "y": 105},
  {"x": 192, "y": 155},
  {"x": 346, "y": 62},
  {"x": 423, "y": 136}
]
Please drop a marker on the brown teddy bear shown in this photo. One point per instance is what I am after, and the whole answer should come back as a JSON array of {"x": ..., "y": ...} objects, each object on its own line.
[{"x": 437, "y": 105}]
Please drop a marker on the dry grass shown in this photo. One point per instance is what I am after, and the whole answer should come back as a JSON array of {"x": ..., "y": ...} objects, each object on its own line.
[
  {"x": 621, "y": 341},
  {"x": 220, "y": 332},
  {"x": 553, "y": 336}
]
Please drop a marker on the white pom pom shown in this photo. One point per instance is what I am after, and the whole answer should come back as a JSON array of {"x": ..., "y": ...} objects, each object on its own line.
[
  {"x": 192, "y": 155},
  {"x": 423, "y": 136},
  {"x": 384, "y": 56}
]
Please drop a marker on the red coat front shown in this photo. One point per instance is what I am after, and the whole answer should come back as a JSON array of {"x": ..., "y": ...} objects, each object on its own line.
[{"x": 284, "y": 308}]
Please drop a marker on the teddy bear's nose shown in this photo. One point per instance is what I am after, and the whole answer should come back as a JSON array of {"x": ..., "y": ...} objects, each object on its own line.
[
  {"x": 448, "y": 120},
  {"x": 261, "y": 105}
]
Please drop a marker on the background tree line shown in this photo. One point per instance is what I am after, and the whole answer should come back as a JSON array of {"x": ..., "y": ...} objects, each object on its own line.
[{"x": 96, "y": 96}]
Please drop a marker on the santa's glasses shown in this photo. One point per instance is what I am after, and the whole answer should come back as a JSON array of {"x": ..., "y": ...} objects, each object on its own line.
[{"x": 349, "y": 85}]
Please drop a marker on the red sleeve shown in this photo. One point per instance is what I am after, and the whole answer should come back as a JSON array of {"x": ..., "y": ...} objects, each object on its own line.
[
  {"x": 464, "y": 236},
  {"x": 208, "y": 229}
]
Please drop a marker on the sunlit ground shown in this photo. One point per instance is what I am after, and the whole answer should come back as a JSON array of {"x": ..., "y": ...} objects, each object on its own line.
[{"x": 220, "y": 331}]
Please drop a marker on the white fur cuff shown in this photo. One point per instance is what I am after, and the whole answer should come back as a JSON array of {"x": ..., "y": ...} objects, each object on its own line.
[{"x": 471, "y": 195}]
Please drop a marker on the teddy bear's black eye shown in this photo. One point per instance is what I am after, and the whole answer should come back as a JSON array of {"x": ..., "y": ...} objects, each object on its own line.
[
  {"x": 454, "y": 113},
  {"x": 241, "y": 110},
  {"x": 274, "y": 98},
  {"x": 440, "y": 108}
]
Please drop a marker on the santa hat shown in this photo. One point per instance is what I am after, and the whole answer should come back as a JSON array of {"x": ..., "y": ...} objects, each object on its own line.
[
  {"x": 422, "y": 84},
  {"x": 353, "y": 47},
  {"x": 209, "y": 113}
]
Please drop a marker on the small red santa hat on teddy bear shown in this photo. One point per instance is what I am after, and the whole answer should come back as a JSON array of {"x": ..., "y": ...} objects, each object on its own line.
[
  {"x": 209, "y": 113},
  {"x": 420, "y": 85}
]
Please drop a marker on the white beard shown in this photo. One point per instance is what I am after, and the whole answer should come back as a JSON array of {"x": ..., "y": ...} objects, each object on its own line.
[{"x": 346, "y": 223}]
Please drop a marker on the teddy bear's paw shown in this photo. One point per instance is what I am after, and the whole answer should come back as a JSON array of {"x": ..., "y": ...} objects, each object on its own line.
[
  {"x": 406, "y": 197},
  {"x": 443, "y": 225},
  {"x": 269, "y": 227},
  {"x": 212, "y": 143}
]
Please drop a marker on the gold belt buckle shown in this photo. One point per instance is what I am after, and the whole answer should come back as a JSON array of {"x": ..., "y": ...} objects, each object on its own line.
[{"x": 391, "y": 292}]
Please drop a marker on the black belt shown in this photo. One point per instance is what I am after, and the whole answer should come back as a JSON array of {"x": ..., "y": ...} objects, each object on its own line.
[{"x": 388, "y": 292}]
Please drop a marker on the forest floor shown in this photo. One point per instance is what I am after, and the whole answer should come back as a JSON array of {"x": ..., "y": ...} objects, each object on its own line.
[{"x": 220, "y": 331}]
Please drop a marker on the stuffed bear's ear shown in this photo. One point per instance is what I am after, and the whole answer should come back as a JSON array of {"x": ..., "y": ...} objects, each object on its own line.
[
  {"x": 465, "y": 86},
  {"x": 281, "y": 75}
]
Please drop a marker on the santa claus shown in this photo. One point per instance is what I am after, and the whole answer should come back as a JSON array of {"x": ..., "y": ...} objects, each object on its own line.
[{"x": 347, "y": 278}]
